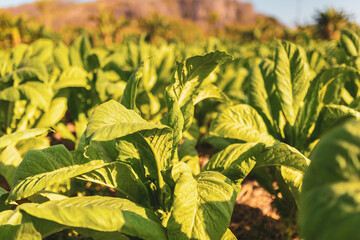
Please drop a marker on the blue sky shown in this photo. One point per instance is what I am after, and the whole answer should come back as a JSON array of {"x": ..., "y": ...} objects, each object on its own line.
[{"x": 288, "y": 12}]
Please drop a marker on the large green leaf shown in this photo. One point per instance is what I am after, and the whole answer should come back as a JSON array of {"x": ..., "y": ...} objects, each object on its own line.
[
  {"x": 93, "y": 62},
  {"x": 151, "y": 143},
  {"x": 332, "y": 116},
  {"x": 313, "y": 102},
  {"x": 175, "y": 117},
  {"x": 210, "y": 91},
  {"x": 9, "y": 160},
  {"x": 38, "y": 94},
  {"x": 55, "y": 112},
  {"x": 61, "y": 56},
  {"x": 189, "y": 155},
  {"x": 44, "y": 196},
  {"x": 75, "y": 57},
  {"x": 186, "y": 87},
  {"x": 258, "y": 96},
  {"x": 101, "y": 214},
  {"x": 28, "y": 70},
  {"x": 350, "y": 42},
  {"x": 282, "y": 154},
  {"x": 292, "y": 78},
  {"x": 235, "y": 152},
  {"x": 133, "y": 150},
  {"x": 317, "y": 60},
  {"x": 41, "y": 168},
  {"x": 2, "y": 191},
  {"x": 121, "y": 177},
  {"x": 71, "y": 77},
  {"x": 241, "y": 122},
  {"x": 145, "y": 146},
  {"x": 190, "y": 74},
  {"x": 237, "y": 160},
  {"x": 42, "y": 50},
  {"x": 16, "y": 226},
  {"x": 129, "y": 96},
  {"x": 31, "y": 144},
  {"x": 112, "y": 120},
  {"x": 18, "y": 53},
  {"x": 160, "y": 142},
  {"x": 21, "y": 135},
  {"x": 202, "y": 206},
  {"x": 79, "y": 51},
  {"x": 228, "y": 235},
  {"x": 330, "y": 198}
]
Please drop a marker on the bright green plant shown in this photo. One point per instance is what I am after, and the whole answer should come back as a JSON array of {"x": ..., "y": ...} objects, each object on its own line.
[
  {"x": 38, "y": 83},
  {"x": 330, "y": 198},
  {"x": 139, "y": 120},
  {"x": 286, "y": 104},
  {"x": 350, "y": 90},
  {"x": 12, "y": 149},
  {"x": 123, "y": 151},
  {"x": 159, "y": 196},
  {"x": 285, "y": 101}
]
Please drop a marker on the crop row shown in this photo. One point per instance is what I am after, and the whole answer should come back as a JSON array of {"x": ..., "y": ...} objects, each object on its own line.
[{"x": 132, "y": 118}]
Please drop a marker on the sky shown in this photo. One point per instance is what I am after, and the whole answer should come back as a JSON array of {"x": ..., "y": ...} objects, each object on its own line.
[
  {"x": 288, "y": 12},
  {"x": 291, "y": 12}
]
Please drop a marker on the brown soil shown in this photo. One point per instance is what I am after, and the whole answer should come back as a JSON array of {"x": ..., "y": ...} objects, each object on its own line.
[
  {"x": 55, "y": 138},
  {"x": 3, "y": 183},
  {"x": 254, "y": 215}
]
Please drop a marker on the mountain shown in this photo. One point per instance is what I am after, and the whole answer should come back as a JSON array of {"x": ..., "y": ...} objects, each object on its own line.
[{"x": 59, "y": 13}]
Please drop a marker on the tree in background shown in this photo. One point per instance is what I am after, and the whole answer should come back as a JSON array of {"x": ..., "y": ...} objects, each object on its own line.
[
  {"x": 10, "y": 28},
  {"x": 268, "y": 28},
  {"x": 108, "y": 25},
  {"x": 155, "y": 25},
  {"x": 44, "y": 7},
  {"x": 213, "y": 21},
  {"x": 20, "y": 29},
  {"x": 330, "y": 22}
]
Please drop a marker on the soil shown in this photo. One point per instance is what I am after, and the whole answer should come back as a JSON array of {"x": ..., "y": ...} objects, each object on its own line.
[{"x": 255, "y": 217}]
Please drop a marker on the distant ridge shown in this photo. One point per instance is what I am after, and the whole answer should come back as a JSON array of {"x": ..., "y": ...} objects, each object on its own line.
[{"x": 62, "y": 13}]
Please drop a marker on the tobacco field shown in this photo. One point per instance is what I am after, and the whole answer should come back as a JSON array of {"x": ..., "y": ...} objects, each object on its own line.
[{"x": 109, "y": 142}]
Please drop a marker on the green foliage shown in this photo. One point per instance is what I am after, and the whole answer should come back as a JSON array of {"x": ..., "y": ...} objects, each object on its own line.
[
  {"x": 330, "y": 197},
  {"x": 287, "y": 103},
  {"x": 120, "y": 147},
  {"x": 292, "y": 78},
  {"x": 134, "y": 125}
]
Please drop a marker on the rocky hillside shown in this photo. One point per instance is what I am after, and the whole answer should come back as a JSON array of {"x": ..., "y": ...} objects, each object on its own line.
[{"x": 59, "y": 13}]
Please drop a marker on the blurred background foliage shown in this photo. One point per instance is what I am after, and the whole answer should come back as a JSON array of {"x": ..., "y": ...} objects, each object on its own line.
[{"x": 107, "y": 29}]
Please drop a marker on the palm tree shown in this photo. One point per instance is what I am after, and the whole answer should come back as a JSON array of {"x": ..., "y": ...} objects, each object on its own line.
[{"x": 330, "y": 22}]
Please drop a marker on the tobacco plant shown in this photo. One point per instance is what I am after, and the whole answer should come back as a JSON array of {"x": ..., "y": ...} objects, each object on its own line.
[
  {"x": 330, "y": 201},
  {"x": 142, "y": 145},
  {"x": 159, "y": 195},
  {"x": 286, "y": 104}
]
